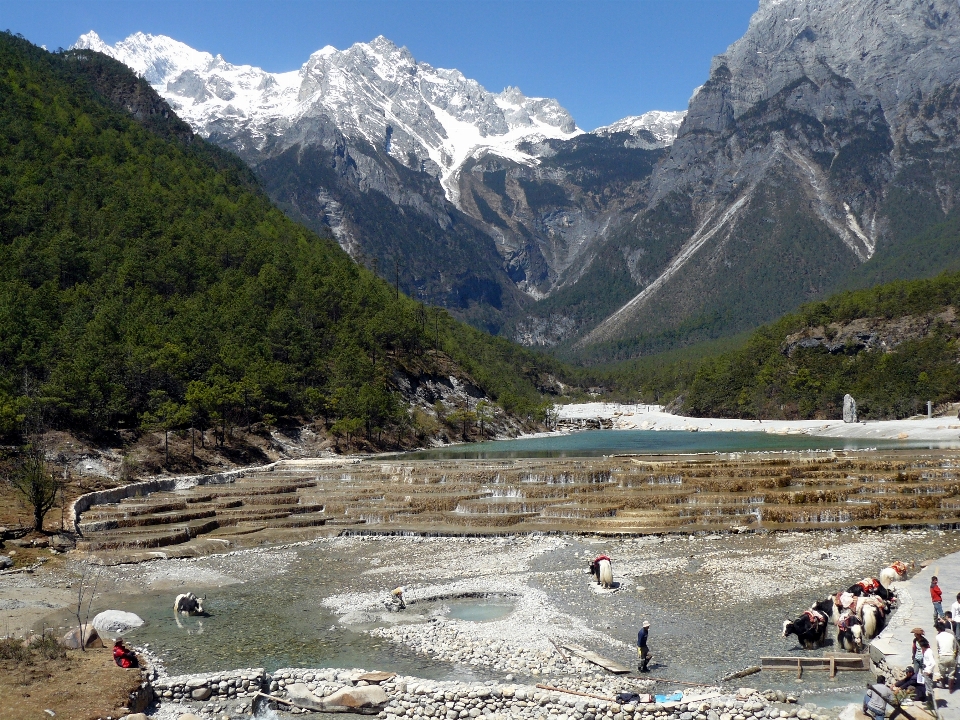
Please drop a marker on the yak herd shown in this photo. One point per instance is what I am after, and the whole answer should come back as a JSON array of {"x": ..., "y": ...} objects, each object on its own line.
[{"x": 858, "y": 613}]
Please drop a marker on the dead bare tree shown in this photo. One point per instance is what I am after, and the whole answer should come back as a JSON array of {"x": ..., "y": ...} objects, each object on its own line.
[{"x": 84, "y": 592}]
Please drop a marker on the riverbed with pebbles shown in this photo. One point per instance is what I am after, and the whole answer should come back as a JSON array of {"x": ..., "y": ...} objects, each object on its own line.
[{"x": 491, "y": 611}]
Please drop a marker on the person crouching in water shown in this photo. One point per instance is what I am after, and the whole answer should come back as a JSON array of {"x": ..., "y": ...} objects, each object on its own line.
[
  {"x": 643, "y": 652},
  {"x": 397, "y": 595},
  {"x": 123, "y": 656}
]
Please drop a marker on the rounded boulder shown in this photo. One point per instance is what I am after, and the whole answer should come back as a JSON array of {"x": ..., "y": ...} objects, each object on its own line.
[{"x": 116, "y": 621}]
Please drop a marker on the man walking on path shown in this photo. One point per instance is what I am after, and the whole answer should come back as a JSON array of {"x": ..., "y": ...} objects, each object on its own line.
[
  {"x": 643, "y": 653},
  {"x": 946, "y": 655},
  {"x": 936, "y": 595}
]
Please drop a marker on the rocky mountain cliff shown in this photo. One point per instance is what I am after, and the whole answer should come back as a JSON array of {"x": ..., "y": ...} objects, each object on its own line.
[
  {"x": 823, "y": 143},
  {"x": 459, "y": 194},
  {"x": 820, "y": 154}
]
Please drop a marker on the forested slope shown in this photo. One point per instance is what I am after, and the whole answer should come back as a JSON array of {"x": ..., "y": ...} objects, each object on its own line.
[
  {"x": 146, "y": 279},
  {"x": 892, "y": 347}
]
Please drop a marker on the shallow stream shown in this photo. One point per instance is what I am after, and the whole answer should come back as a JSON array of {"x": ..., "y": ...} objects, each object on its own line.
[{"x": 716, "y": 603}]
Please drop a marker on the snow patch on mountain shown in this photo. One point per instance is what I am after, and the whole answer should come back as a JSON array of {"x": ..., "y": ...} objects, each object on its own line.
[
  {"x": 654, "y": 129},
  {"x": 431, "y": 119}
]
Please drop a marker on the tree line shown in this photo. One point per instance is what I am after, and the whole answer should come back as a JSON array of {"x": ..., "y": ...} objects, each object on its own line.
[{"x": 146, "y": 282}]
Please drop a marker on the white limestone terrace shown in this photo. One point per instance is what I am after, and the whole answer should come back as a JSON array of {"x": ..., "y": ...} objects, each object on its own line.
[
  {"x": 652, "y": 417},
  {"x": 374, "y": 90}
]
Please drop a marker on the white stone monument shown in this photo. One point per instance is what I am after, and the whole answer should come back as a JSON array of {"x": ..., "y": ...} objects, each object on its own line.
[{"x": 849, "y": 409}]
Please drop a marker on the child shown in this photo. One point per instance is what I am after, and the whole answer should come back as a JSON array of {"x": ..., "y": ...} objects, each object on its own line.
[{"x": 936, "y": 594}]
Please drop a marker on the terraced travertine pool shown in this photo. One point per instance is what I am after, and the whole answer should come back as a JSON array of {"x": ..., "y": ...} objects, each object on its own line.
[{"x": 635, "y": 495}]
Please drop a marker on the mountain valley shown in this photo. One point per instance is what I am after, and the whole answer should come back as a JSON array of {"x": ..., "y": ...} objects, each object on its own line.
[{"x": 810, "y": 161}]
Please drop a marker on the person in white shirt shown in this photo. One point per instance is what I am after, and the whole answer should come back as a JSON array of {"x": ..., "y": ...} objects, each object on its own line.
[
  {"x": 946, "y": 654},
  {"x": 955, "y": 612},
  {"x": 929, "y": 664}
]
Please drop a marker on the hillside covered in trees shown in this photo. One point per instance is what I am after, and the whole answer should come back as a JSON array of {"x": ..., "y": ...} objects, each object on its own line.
[
  {"x": 892, "y": 347},
  {"x": 147, "y": 282}
]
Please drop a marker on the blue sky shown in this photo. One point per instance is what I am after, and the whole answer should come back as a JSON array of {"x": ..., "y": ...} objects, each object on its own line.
[{"x": 602, "y": 59}]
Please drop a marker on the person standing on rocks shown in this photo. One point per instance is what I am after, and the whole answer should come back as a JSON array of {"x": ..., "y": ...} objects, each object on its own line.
[
  {"x": 936, "y": 595},
  {"x": 397, "y": 595},
  {"x": 643, "y": 652}
]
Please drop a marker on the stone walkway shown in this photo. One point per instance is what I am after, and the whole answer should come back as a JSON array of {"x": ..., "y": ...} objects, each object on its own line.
[{"x": 916, "y": 610}]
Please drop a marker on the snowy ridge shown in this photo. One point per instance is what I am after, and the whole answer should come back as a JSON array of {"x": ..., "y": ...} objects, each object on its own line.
[
  {"x": 663, "y": 125},
  {"x": 429, "y": 118}
]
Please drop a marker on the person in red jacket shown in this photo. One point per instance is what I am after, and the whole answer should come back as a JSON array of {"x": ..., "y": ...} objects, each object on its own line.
[
  {"x": 123, "y": 656},
  {"x": 936, "y": 594}
]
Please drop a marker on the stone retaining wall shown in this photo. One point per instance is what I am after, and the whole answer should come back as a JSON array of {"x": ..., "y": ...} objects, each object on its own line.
[
  {"x": 220, "y": 685},
  {"x": 411, "y": 697},
  {"x": 145, "y": 487}
]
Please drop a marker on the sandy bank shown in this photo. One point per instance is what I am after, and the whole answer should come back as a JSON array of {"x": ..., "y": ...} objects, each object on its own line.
[{"x": 652, "y": 417}]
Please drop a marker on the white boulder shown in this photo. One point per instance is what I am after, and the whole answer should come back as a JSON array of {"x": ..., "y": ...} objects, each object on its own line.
[{"x": 116, "y": 622}]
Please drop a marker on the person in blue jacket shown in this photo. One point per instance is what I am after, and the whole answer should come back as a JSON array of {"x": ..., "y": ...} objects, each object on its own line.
[{"x": 643, "y": 653}]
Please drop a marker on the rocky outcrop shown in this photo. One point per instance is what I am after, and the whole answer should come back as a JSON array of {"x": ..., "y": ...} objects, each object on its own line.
[{"x": 871, "y": 334}]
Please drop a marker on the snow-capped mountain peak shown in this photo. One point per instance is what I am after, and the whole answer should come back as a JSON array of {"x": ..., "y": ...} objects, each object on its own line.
[
  {"x": 653, "y": 129},
  {"x": 431, "y": 118}
]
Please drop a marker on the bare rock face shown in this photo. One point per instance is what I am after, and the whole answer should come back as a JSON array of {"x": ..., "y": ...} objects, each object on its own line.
[
  {"x": 817, "y": 134},
  {"x": 849, "y": 409},
  {"x": 877, "y": 45},
  {"x": 878, "y": 334}
]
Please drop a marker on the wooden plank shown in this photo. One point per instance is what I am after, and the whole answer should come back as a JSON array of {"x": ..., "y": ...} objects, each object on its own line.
[
  {"x": 590, "y": 656},
  {"x": 833, "y": 663}
]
